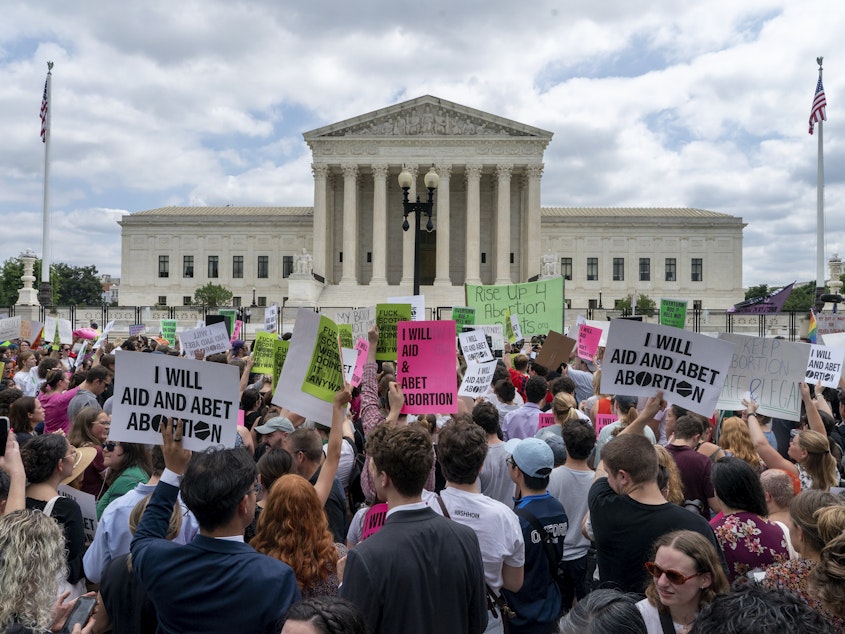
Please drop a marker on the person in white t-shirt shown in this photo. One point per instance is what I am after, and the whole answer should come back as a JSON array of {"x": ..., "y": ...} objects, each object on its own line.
[{"x": 462, "y": 447}]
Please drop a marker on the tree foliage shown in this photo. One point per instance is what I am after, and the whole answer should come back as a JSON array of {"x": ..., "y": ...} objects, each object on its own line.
[
  {"x": 645, "y": 305},
  {"x": 802, "y": 298},
  {"x": 79, "y": 285},
  {"x": 761, "y": 290},
  {"x": 212, "y": 295}
]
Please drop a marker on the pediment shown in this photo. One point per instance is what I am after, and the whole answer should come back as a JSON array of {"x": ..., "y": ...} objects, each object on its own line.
[{"x": 427, "y": 117}]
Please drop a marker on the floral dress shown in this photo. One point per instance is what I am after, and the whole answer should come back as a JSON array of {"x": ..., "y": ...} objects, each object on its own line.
[
  {"x": 749, "y": 542},
  {"x": 794, "y": 576}
]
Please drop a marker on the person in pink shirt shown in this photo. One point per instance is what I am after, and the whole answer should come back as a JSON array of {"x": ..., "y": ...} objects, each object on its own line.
[{"x": 54, "y": 398}]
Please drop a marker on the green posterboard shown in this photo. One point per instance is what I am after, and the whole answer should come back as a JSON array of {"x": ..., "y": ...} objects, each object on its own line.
[
  {"x": 168, "y": 330},
  {"x": 463, "y": 316},
  {"x": 232, "y": 314},
  {"x": 673, "y": 312},
  {"x": 539, "y": 304},
  {"x": 345, "y": 333},
  {"x": 387, "y": 317},
  {"x": 264, "y": 351},
  {"x": 280, "y": 352},
  {"x": 325, "y": 372}
]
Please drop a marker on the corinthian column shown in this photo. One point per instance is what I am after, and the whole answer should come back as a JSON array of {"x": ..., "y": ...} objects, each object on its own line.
[
  {"x": 442, "y": 214},
  {"x": 380, "y": 173},
  {"x": 473, "y": 243},
  {"x": 501, "y": 257},
  {"x": 531, "y": 247},
  {"x": 319, "y": 243},
  {"x": 408, "y": 236},
  {"x": 350, "y": 224}
]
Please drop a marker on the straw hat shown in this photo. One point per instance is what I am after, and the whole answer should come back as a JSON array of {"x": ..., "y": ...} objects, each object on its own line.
[{"x": 84, "y": 457}]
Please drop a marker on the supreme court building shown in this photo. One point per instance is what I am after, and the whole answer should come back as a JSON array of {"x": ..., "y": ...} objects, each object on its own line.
[{"x": 349, "y": 249}]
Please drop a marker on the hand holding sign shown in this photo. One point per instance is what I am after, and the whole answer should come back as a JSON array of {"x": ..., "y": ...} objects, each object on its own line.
[{"x": 176, "y": 457}]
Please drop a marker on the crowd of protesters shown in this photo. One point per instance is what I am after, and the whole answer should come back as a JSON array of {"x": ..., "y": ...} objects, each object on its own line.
[{"x": 380, "y": 522}]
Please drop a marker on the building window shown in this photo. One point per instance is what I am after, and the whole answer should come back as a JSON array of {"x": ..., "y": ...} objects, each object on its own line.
[
  {"x": 237, "y": 266},
  {"x": 369, "y": 257},
  {"x": 671, "y": 270},
  {"x": 186, "y": 300},
  {"x": 162, "y": 300},
  {"x": 263, "y": 266},
  {"x": 213, "y": 268},
  {"x": 566, "y": 268},
  {"x": 618, "y": 269},
  {"x": 645, "y": 269},
  {"x": 483, "y": 258},
  {"x": 340, "y": 257},
  {"x": 697, "y": 270},
  {"x": 164, "y": 266},
  {"x": 236, "y": 302},
  {"x": 262, "y": 301},
  {"x": 511, "y": 258},
  {"x": 592, "y": 269},
  {"x": 287, "y": 265},
  {"x": 187, "y": 266}
]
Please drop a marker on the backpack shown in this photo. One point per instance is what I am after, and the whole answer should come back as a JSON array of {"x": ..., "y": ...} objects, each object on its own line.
[{"x": 559, "y": 576}]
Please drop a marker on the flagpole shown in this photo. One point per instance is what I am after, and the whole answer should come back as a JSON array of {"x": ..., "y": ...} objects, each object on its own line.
[
  {"x": 45, "y": 294},
  {"x": 820, "y": 273}
]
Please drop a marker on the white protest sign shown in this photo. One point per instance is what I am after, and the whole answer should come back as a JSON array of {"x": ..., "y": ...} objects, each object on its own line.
[
  {"x": 350, "y": 357},
  {"x": 361, "y": 320},
  {"x": 825, "y": 365},
  {"x": 212, "y": 339},
  {"x": 88, "y": 506},
  {"x": 604, "y": 326},
  {"x": 477, "y": 379},
  {"x": 517, "y": 331},
  {"x": 271, "y": 318},
  {"x": 836, "y": 339},
  {"x": 49, "y": 329},
  {"x": 768, "y": 369},
  {"x": 474, "y": 346},
  {"x": 417, "y": 303},
  {"x": 830, "y": 323},
  {"x": 65, "y": 331},
  {"x": 150, "y": 388},
  {"x": 496, "y": 334},
  {"x": 102, "y": 338},
  {"x": 80, "y": 354},
  {"x": 643, "y": 358},
  {"x": 10, "y": 328}
]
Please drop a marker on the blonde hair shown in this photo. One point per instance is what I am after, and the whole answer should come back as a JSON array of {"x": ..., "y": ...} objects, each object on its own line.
[
  {"x": 32, "y": 559},
  {"x": 819, "y": 463},
  {"x": 827, "y": 579},
  {"x": 564, "y": 407},
  {"x": 173, "y": 528},
  {"x": 676, "y": 485},
  {"x": 736, "y": 439}
]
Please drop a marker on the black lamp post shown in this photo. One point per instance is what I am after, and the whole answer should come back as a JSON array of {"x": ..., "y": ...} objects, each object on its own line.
[
  {"x": 417, "y": 208},
  {"x": 253, "y": 296}
]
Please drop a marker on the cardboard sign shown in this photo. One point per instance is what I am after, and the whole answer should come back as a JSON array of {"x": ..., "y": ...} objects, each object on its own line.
[
  {"x": 770, "y": 369},
  {"x": 477, "y": 379},
  {"x": 345, "y": 333},
  {"x": 362, "y": 348},
  {"x": 325, "y": 373},
  {"x": 10, "y": 328},
  {"x": 387, "y": 318},
  {"x": 828, "y": 323},
  {"x": 425, "y": 366},
  {"x": 556, "y": 349},
  {"x": 50, "y": 326},
  {"x": 539, "y": 304},
  {"x": 102, "y": 339},
  {"x": 88, "y": 506},
  {"x": 463, "y": 316},
  {"x": 212, "y": 339},
  {"x": 642, "y": 358},
  {"x": 361, "y": 320},
  {"x": 136, "y": 329},
  {"x": 417, "y": 303},
  {"x": 588, "y": 342},
  {"x": 168, "y": 330},
  {"x": 65, "y": 331},
  {"x": 673, "y": 312},
  {"x": 603, "y": 420},
  {"x": 280, "y": 352},
  {"x": 824, "y": 366},
  {"x": 271, "y": 318},
  {"x": 263, "y": 352},
  {"x": 474, "y": 346},
  {"x": 150, "y": 388},
  {"x": 547, "y": 419}
]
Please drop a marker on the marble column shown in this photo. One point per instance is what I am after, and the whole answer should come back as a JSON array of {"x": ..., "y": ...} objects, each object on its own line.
[
  {"x": 380, "y": 173},
  {"x": 408, "y": 236},
  {"x": 319, "y": 245},
  {"x": 442, "y": 216},
  {"x": 473, "y": 237},
  {"x": 532, "y": 248},
  {"x": 501, "y": 256},
  {"x": 350, "y": 224}
]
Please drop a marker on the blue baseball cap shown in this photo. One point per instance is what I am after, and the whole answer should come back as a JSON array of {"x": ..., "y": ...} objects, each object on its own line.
[{"x": 532, "y": 455}]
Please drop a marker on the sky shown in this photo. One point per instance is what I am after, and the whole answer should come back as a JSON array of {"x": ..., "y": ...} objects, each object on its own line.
[{"x": 664, "y": 103}]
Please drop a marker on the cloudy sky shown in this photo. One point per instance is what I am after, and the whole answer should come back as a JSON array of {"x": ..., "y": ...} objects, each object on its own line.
[{"x": 652, "y": 103}]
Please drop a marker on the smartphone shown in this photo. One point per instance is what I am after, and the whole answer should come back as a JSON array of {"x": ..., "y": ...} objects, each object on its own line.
[
  {"x": 4, "y": 434},
  {"x": 80, "y": 614}
]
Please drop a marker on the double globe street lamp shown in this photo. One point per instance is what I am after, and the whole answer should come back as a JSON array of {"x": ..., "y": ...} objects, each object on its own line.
[{"x": 417, "y": 208}]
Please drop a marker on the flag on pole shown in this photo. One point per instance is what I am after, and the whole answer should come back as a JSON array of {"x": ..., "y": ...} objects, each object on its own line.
[
  {"x": 819, "y": 110},
  {"x": 44, "y": 114},
  {"x": 813, "y": 329}
]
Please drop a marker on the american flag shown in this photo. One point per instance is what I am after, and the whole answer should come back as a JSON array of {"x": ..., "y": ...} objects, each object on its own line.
[
  {"x": 818, "y": 112},
  {"x": 44, "y": 114}
]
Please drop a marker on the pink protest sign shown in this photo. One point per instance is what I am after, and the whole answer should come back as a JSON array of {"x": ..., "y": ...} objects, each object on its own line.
[
  {"x": 547, "y": 419},
  {"x": 588, "y": 341},
  {"x": 362, "y": 346},
  {"x": 426, "y": 360},
  {"x": 603, "y": 420},
  {"x": 240, "y": 418}
]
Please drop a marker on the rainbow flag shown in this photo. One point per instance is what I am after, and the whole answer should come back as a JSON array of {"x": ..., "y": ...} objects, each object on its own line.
[{"x": 813, "y": 329}]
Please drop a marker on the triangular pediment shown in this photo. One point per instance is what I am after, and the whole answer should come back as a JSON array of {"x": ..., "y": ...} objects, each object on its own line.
[{"x": 427, "y": 116}]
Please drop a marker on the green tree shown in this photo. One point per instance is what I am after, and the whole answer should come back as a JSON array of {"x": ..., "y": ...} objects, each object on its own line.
[
  {"x": 802, "y": 298},
  {"x": 212, "y": 295},
  {"x": 76, "y": 285},
  {"x": 761, "y": 290},
  {"x": 645, "y": 305}
]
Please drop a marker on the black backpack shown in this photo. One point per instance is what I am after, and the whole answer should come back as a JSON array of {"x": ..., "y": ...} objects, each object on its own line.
[{"x": 559, "y": 576}]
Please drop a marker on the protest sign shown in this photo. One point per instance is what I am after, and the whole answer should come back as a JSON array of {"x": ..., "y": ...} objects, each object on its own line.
[
  {"x": 236, "y": 331},
  {"x": 827, "y": 323},
  {"x": 65, "y": 331},
  {"x": 350, "y": 357},
  {"x": 168, "y": 330},
  {"x": 212, "y": 339},
  {"x": 768, "y": 369},
  {"x": 824, "y": 366},
  {"x": 271, "y": 318},
  {"x": 280, "y": 352},
  {"x": 417, "y": 303},
  {"x": 556, "y": 349},
  {"x": 80, "y": 355},
  {"x": 102, "y": 338},
  {"x": 673, "y": 312},
  {"x": 836, "y": 339},
  {"x": 603, "y": 420},
  {"x": 387, "y": 318},
  {"x": 10, "y": 328},
  {"x": 150, "y": 388},
  {"x": 362, "y": 348},
  {"x": 643, "y": 358},
  {"x": 50, "y": 326},
  {"x": 547, "y": 419},
  {"x": 604, "y": 326},
  {"x": 361, "y": 320},
  {"x": 345, "y": 333},
  {"x": 515, "y": 330},
  {"x": 588, "y": 342},
  {"x": 496, "y": 334},
  {"x": 474, "y": 346},
  {"x": 538, "y": 304},
  {"x": 463, "y": 316},
  {"x": 477, "y": 379},
  {"x": 230, "y": 315},
  {"x": 313, "y": 354},
  {"x": 136, "y": 329},
  {"x": 31, "y": 330},
  {"x": 88, "y": 506},
  {"x": 263, "y": 352},
  {"x": 425, "y": 366}
]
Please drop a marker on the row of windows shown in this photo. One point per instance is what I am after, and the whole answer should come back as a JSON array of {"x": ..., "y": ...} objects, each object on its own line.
[
  {"x": 263, "y": 270},
  {"x": 187, "y": 300},
  {"x": 670, "y": 269}
]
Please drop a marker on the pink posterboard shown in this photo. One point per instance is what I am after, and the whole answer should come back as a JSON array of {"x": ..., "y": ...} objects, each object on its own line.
[
  {"x": 588, "y": 341},
  {"x": 547, "y": 419},
  {"x": 363, "y": 347},
  {"x": 426, "y": 360},
  {"x": 236, "y": 331},
  {"x": 603, "y": 420}
]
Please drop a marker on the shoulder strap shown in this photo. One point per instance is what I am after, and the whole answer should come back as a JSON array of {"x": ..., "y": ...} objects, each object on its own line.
[
  {"x": 544, "y": 535},
  {"x": 443, "y": 507},
  {"x": 666, "y": 621},
  {"x": 48, "y": 508}
]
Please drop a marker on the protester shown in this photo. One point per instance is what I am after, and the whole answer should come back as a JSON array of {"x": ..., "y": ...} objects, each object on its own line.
[
  {"x": 90, "y": 428},
  {"x": 494, "y": 478},
  {"x": 271, "y": 466},
  {"x": 524, "y": 422},
  {"x": 625, "y": 410},
  {"x": 26, "y": 379},
  {"x": 96, "y": 380},
  {"x": 24, "y": 414},
  {"x": 779, "y": 491},
  {"x": 605, "y": 612},
  {"x": 736, "y": 441},
  {"x": 325, "y": 615},
  {"x": 827, "y": 579},
  {"x": 694, "y": 467},
  {"x": 128, "y": 466},
  {"x": 54, "y": 397}
]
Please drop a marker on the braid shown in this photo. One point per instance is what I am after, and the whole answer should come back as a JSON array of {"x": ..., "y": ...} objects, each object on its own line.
[{"x": 329, "y": 615}]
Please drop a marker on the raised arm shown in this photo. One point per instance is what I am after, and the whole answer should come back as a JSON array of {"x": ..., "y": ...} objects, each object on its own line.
[
  {"x": 813, "y": 416},
  {"x": 12, "y": 464},
  {"x": 652, "y": 406},
  {"x": 324, "y": 483},
  {"x": 768, "y": 453}
]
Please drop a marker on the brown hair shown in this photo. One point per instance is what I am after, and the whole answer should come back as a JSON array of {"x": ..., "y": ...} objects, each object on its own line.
[
  {"x": 804, "y": 511},
  {"x": 827, "y": 579},
  {"x": 633, "y": 454},
  {"x": 819, "y": 463}
]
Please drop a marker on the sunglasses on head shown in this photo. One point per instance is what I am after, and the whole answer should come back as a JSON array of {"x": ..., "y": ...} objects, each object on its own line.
[
  {"x": 109, "y": 446},
  {"x": 675, "y": 577}
]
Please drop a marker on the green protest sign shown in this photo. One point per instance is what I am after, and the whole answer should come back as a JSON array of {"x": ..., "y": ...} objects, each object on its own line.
[
  {"x": 387, "y": 318},
  {"x": 280, "y": 351},
  {"x": 345, "y": 332},
  {"x": 232, "y": 314},
  {"x": 510, "y": 336},
  {"x": 264, "y": 351},
  {"x": 673, "y": 312},
  {"x": 168, "y": 330},
  {"x": 463, "y": 316},
  {"x": 325, "y": 372},
  {"x": 538, "y": 304}
]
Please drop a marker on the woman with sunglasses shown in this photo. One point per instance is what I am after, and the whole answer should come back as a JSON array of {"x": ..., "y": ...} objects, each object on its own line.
[
  {"x": 90, "y": 428},
  {"x": 129, "y": 464},
  {"x": 686, "y": 575}
]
